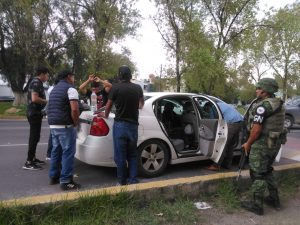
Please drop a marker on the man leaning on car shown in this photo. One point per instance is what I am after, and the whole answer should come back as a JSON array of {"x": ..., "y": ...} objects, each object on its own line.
[
  {"x": 63, "y": 116},
  {"x": 128, "y": 98}
]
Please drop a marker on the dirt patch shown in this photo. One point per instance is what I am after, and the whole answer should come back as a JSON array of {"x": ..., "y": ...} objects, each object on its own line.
[
  {"x": 12, "y": 110},
  {"x": 288, "y": 215}
]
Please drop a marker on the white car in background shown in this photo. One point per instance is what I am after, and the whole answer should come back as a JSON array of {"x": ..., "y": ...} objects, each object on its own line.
[{"x": 161, "y": 140}]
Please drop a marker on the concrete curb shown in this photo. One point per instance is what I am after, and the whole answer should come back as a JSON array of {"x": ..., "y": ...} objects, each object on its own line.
[{"x": 166, "y": 189}]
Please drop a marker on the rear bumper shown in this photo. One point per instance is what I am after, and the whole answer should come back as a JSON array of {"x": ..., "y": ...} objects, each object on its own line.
[{"x": 94, "y": 154}]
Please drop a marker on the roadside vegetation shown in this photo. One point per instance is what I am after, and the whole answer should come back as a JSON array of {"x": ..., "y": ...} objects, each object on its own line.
[
  {"x": 129, "y": 209},
  {"x": 8, "y": 110},
  {"x": 220, "y": 48}
]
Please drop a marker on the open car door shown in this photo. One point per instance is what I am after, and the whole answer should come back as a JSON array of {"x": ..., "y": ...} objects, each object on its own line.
[{"x": 212, "y": 129}]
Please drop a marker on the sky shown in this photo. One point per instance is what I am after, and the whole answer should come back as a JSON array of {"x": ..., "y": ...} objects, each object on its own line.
[{"x": 147, "y": 46}]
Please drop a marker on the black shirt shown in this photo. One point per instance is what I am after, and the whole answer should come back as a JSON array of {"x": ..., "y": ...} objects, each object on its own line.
[
  {"x": 36, "y": 85},
  {"x": 126, "y": 97},
  {"x": 102, "y": 97}
]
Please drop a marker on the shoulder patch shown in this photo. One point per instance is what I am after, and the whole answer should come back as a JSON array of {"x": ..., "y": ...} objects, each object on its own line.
[{"x": 260, "y": 110}]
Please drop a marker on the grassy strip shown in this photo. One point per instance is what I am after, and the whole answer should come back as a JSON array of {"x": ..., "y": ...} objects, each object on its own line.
[
  {"x": 7, "y": 105},
  {"x": 125, "y": 208},
  {"x": 120, "y": 209}
]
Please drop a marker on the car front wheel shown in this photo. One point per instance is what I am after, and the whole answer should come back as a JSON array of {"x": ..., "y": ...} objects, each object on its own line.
[
  {"x": 153, "y": 157},
  {"x": 288, "y": 122}
]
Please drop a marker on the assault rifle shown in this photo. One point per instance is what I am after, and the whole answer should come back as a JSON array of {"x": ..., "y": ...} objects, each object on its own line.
[{"x": 241, "y": 163}]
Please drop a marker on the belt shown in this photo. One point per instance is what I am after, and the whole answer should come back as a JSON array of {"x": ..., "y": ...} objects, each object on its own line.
[
  {"x": 238, "y": 122},
  {"x": 61, "y": 126},
  {"x": 235, "y": 122}
]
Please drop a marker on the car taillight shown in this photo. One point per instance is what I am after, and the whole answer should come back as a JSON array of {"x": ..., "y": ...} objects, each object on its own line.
[{"x": 99, "y": 127}]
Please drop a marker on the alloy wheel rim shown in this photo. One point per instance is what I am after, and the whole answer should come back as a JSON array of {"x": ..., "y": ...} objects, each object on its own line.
[{"x": 152, "y": 157}]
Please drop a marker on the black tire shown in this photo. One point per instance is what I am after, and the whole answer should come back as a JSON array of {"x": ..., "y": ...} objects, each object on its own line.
[
  {"x": 288, "y": 121},
  {"x": 153, "y": 157}
]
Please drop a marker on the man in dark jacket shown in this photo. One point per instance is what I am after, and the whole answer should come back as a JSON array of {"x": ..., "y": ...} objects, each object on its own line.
[
  {"x": 128, "y": 99},
  {"x": 36, "y": 102},
  {"x": 63, "y": 116}
]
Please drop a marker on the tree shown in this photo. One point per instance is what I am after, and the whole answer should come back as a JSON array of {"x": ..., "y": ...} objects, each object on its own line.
[
  {"x": 170, "y": 20},
  {"x": 254, "y": 43},
  {"x": 201, "y": 65},
  {"x": 226, "y": 22},
  {"x": 23, "y": 28},
  {"x": 283, "y": 49},
  {"x": 63, "y": 33},
  {"x": 109, "y": 20}
]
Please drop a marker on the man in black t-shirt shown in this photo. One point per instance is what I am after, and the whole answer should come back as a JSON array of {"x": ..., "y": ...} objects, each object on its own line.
[
  {"x": 102, "y": 94},
  {"x": 36, "y": 102},
  {"x": 128, "y": 99}
]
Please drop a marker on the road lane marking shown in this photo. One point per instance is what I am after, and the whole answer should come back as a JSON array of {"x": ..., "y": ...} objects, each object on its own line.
[{"x": 14, "y": 145}]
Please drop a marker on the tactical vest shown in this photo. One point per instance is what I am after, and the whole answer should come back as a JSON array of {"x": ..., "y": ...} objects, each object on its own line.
[
  {"x": 273, "y": 122},
  {"x": 249, "y": 114},
  {"x": 59, "y": 109}
]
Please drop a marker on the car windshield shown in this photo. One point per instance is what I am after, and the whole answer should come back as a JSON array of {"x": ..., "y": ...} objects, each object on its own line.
[{"x": 146, "y": 97}]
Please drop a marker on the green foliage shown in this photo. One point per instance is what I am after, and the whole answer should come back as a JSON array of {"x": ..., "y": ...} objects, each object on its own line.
[
  {"x": 227, "y": 196},
  {"x": 59, "y": 34},
  {"x": 283, "y": 52},
  {"x": 288, "y": 184},
  {"x": 104, "y": 209},
  {"x": 129, "y": 209}
]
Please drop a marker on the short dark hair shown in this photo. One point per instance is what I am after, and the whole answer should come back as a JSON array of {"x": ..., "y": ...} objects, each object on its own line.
[
  {"x": 64, "y": 74},
  {"x": 95, "y": 84},
  {"x": 56, "y": 80},
  {"x": 124, "y": 73},
  {"x": 41, "y": 69}
]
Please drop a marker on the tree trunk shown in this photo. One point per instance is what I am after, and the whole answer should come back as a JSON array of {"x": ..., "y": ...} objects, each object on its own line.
[{"x": 20, "y": 98}]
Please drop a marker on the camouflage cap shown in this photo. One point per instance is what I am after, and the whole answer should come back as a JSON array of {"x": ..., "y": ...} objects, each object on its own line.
[{"x": 268, "y": 85}]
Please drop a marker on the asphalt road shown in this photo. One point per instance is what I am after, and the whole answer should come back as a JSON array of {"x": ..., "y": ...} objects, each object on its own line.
[{"x": 16, "y": 182}]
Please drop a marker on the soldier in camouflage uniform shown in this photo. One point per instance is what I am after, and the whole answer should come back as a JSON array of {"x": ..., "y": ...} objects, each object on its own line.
[{"x": 265, "y": 125}]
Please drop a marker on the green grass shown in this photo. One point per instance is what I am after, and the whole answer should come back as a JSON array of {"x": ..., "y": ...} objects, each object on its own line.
[
  {"x": 288, "y": 184},
  {"x": 125, "y": 208},
  {"x": 7, "y": 105},
  {"x": 107, "y": 210}
]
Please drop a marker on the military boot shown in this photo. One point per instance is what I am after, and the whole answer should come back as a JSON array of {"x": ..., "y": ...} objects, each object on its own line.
[
  {"x": 255, "y": 206},
  {"x": 273, "y": 200},
  {"x": 252, "y": 207}
]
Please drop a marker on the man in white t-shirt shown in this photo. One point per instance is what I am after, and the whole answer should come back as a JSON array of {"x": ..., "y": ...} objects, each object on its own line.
[{"x": 63, "y": 117}]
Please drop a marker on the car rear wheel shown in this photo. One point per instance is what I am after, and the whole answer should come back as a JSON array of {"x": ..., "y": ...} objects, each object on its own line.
[
  {"x": 153, "y": 158},
  {"x": 288, "y": 121}
]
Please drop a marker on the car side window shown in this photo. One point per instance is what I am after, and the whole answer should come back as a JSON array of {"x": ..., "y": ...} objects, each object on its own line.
[{"x": 207, "y": 109}]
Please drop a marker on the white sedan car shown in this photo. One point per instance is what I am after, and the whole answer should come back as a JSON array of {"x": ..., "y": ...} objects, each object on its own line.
[{"x": 173, "y": 128}]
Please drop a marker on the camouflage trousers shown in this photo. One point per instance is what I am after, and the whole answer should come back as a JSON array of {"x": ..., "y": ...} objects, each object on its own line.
[{"x": 261, "y": 159}]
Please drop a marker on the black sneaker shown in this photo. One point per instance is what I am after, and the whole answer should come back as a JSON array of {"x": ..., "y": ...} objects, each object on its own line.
[
  {"x": 54, "y": 180},
  {"x": 38, "y": 162},
  {"x": 31, "y": 166},
  {"x": 70, "y": 186}
]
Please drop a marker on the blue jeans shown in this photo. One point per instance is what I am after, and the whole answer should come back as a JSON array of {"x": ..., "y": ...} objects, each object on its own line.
[
  {"x": 62, "y": 154},
  {"x": 49, "y": 146},
  {"x": 125, "y": 151}
]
